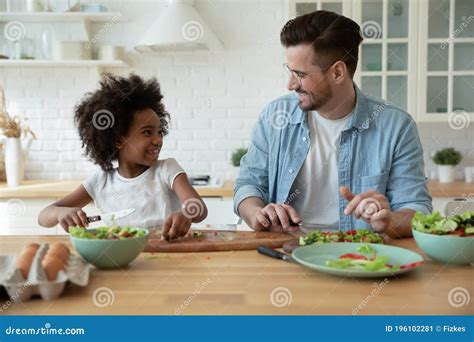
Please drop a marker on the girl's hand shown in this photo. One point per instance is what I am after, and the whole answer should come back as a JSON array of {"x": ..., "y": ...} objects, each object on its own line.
[
  {"x": 176, "y": 225},
  {"x": 72, "y": 217}
]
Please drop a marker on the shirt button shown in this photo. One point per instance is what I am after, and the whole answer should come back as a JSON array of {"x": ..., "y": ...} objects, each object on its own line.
[
  {"x": 304, "y": 138},
  {"x": 290, "y": 171}
]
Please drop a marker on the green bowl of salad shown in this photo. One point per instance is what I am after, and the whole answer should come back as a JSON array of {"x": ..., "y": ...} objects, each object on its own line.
[
  {"x": 449, "y": 240},
  {"x": 109, "y": 247}
]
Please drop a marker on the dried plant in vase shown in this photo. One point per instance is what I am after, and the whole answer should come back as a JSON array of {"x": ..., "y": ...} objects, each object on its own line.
[
  {"x": 16, "y": 148},
  {"x": 11, "y": 127}
]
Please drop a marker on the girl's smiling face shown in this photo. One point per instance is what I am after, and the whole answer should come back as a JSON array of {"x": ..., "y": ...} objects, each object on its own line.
[{"x": 141, "y": 147}]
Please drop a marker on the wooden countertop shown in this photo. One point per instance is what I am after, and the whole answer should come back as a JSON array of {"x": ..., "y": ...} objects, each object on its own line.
[
  {"x": 454, "y": 189},
  {"x": 223, "y": 283},
  {"x": 57, "y": 189}
]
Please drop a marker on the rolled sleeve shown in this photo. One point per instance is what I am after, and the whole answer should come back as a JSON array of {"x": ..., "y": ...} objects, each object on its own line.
[
  {"x": 407, "y": 186},
  {"x": 253, "y": 177}
]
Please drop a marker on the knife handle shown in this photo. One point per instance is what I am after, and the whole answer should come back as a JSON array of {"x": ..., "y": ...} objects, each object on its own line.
[
  {"x": 264, "y": 250},
  {"x": 93, "y": 218}
]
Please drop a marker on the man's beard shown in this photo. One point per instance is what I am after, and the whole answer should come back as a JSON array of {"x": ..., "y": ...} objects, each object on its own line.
[{"x": 315, "y": 101}]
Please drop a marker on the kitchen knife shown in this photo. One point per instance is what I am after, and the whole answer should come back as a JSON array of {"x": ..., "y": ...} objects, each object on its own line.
[
  {"x": 111, "y": 216},
  {"x": 264, "y": 250}
]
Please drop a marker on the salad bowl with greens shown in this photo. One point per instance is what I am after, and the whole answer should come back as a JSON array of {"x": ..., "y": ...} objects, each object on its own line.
[
  {"x": 109, "y": 247},
  {"x": 448, "y": 240}
]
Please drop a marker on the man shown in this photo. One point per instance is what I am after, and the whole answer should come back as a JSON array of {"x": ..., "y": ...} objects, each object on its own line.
[{"x": 313, "y": 150}]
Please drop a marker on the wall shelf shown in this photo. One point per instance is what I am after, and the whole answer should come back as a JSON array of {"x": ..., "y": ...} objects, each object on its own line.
[
  {"x": 69, "y": 63},
  {"x": 67, "y": 17}
]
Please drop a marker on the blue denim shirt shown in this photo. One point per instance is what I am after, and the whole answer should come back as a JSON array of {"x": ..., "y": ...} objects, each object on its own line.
[{"x": 381, "y": 150}]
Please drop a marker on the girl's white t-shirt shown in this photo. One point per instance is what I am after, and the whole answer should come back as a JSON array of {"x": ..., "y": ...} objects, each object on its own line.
[{"x": 151, "y": 194}]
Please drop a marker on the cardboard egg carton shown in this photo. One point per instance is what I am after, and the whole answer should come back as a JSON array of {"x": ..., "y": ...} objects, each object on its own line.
[{"x": 20, "y": 289}]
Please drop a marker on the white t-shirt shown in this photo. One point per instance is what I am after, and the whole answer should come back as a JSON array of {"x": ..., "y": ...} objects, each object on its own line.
[
  {"x": 317, "y": 181},
  {"x": 151, "y": 194}
]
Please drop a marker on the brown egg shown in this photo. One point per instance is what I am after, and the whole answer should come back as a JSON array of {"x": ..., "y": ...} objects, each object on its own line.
[
  {"x": 23, "y": 262},
  {"x": 25, "y": 258},
  {"x": 59, "y": 251},
  {"x": 30, "y": 247},
  {"x": 52, "y": 267}
]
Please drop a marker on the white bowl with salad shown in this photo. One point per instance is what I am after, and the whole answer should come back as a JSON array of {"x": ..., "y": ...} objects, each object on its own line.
[{"x": 448, "y": 240}]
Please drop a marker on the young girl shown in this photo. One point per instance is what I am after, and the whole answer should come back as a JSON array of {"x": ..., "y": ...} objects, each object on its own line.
[{"x": 125, "y": 121}]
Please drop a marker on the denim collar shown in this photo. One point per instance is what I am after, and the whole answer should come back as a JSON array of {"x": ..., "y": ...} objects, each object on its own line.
[{"x": 360, "y": 119}]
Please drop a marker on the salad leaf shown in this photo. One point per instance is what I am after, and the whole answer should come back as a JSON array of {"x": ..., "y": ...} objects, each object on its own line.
[
  {"x": 433, "y": 223},
  {"x": 359, "y": 235},
  {"x": 366, "y": 250},
  {"x": 373, "y": 263},
  {"x": 102, "y": 233}
]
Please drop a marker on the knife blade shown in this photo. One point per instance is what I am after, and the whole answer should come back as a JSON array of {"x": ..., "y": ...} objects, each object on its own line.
[
  {"x": 272, "y": 253},
  {"x": 111, "y": 216},
  {"x": 304, "y": 226}
]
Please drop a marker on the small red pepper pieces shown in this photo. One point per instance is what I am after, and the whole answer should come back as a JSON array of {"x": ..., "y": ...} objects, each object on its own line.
[
  {"x": 413, "y": 264},
  {"x": 353, "y": 256}
]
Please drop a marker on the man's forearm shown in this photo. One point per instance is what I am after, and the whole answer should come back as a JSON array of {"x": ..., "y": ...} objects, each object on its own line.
[
  {"x": 248, "y": 207},
  {"x": 400, "y": 225}
]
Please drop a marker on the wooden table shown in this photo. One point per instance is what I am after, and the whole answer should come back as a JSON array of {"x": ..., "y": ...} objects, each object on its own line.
[{"x": 224, "y": 283}]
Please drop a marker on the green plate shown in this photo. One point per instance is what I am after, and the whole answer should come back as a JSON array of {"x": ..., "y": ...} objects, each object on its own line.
[{"x": 315, "y": 257}]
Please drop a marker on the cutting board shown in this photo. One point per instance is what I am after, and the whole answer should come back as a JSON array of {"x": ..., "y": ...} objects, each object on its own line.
[{"x": 212, "y": 241}]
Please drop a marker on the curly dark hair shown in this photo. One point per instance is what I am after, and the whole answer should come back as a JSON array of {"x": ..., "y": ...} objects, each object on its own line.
[{"x": 104, "y": 116}]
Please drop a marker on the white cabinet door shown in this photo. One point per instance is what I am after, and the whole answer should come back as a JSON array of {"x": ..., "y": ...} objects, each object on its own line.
[
  {"x": 387, "y": 57},
  {"x": 446, "y": 50}
]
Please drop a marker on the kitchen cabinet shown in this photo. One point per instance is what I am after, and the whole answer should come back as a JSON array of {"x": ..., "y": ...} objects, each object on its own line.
[{"x": 416, "y": 54}]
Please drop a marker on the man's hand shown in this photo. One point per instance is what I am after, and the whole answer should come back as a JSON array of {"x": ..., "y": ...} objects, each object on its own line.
[
  {"x": 374, "y": 208},
  {"x": 370, "y": 206},
  {"x": 275, "y": 217}
]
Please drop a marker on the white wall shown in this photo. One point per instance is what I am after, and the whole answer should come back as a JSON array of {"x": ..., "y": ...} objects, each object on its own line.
[{"x": 214, "y": 99}]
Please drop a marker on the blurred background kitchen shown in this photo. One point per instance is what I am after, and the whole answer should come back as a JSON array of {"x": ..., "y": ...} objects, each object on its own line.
[{"x": 218, "y": 62}]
